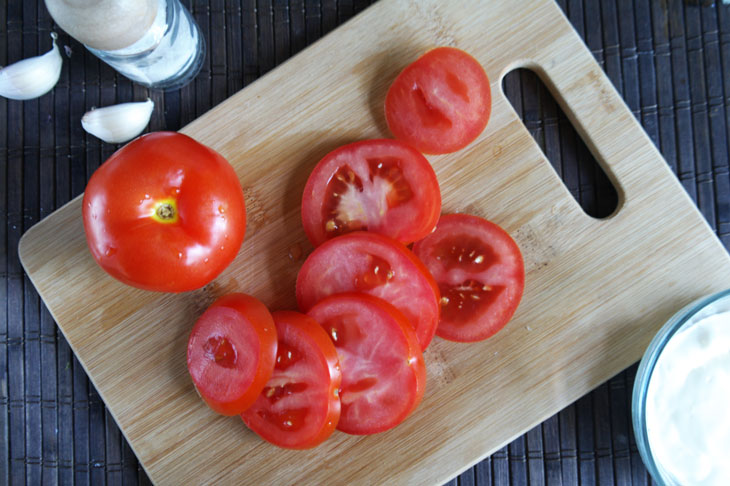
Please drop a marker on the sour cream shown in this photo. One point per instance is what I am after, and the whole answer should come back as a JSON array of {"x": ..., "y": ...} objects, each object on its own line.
[{"x": 688, "y": 404}]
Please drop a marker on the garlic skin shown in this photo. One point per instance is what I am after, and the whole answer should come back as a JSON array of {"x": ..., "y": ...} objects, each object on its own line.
[
  {"x": 32, "y": 77},
  {"x": 118, "y": 123}
]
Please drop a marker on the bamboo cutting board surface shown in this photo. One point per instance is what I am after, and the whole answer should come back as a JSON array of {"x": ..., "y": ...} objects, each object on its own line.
[{"x": 596, "y": 290}]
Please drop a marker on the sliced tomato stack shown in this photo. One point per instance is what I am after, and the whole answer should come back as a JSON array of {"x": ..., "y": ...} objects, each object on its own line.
[
  {"x": 362, "y": 203},
  {"x": 380, "y": 306},
  {"x": 355, "y": 360},
  {"x": 279, "y": 371}
]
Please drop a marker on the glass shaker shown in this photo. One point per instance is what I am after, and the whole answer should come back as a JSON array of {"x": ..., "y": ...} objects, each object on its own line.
[{"x": 155, "y": 43}]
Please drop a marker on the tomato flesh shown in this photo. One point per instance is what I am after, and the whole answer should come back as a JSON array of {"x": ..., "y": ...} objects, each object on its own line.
[
  {"x": 383, "y": 373},
  {"x": 377, "y": 265},
  {"x": 231, "y": 353},
  {"x": 164, "y": 213},
  {"x": 480, "y": 274},
  {"x": 439, "y": 103},
  {"x": 383, "y": 186},
  {"x": 299, "y": 407}
]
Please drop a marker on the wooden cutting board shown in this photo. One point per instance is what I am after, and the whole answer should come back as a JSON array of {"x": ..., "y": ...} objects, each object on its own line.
[{"x": 596, "y": 292}]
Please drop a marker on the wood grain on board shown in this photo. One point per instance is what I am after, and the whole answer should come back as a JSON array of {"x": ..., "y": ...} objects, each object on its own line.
[{"x": 596, "y": 290}]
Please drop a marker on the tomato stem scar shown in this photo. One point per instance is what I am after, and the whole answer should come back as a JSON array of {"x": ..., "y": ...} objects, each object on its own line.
[{"x": 165, "y": 211}]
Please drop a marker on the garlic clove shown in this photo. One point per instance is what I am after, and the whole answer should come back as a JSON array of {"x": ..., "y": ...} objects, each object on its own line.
[
  {"x": 32, "y": 77},
  {"x": 118, "y": 123}
]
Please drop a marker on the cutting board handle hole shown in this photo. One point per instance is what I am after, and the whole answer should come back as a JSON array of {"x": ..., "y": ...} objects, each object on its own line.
[{"x": 561, "y": 143}]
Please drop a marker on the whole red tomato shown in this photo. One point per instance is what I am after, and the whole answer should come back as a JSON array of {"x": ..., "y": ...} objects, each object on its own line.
[{"x": 164, "y": 213}]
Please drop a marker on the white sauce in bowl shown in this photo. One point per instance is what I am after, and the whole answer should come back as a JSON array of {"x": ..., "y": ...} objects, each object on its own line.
[{"x": 688, "y": 404}]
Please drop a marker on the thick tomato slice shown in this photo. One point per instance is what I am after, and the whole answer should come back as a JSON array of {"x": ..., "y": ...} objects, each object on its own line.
[
  {"x": 384, "y": 186},
  {"x": 383, "y": 373},
  {"x": 480, "y": 274},
  {"x": 439, "y": 103},
  {"x": 376, "y": 265},
  {"x": 231, "y": 353},
  {"x": 164, "y": 213},
  {"x": 299, "y": 406}
]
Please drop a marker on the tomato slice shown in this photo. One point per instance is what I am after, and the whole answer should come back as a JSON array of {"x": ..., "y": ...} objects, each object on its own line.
[
  {"x": 439, "y": 103},
  {"x": 384, "y": 186},
  {"x": 383, "y": 373},
  {"x": 299, "y": 406},
  {"x": 376, "y": 265},
  {"x": 231, "y": 353},
  {"x": 480, "y": 274}
]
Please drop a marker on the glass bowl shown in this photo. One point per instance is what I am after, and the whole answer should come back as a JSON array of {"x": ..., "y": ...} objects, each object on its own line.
[{"x": 682, "y": 320}]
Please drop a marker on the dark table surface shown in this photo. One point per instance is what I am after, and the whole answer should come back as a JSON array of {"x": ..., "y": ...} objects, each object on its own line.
[{"x": 669, "y": 59}]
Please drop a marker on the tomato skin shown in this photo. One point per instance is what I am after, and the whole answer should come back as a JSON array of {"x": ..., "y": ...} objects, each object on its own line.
[
  {"x": 480, "y": 273},
  {"x": 440, "y": 102},
  {"x": 315, "y": 364},
  {"x": 395, "y": 192},
  {"x": 231, "y": 352},
  {"x": 128, "y": 239},
  {"x": 383, "y": 372},
  {"x": 377, "y": 265}
]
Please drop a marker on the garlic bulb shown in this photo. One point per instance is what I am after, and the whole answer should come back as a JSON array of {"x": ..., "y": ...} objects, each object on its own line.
[
  {"x": 32, "y": 77},
  {"x": 118, "y": 123}
]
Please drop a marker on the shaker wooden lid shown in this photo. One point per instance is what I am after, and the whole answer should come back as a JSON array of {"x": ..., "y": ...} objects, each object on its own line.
[{"x": 104, "y": 24}]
